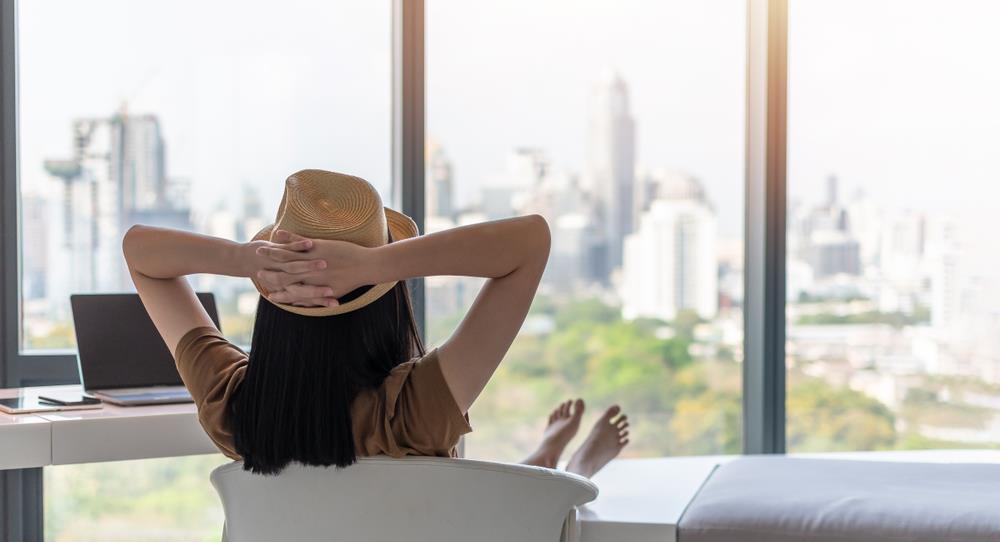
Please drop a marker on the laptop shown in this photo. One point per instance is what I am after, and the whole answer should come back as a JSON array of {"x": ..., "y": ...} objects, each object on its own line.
[{"x": 123, "y": 360}]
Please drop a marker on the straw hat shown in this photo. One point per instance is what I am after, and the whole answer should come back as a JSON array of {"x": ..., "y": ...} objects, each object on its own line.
[{"x": 325, "y": 205}]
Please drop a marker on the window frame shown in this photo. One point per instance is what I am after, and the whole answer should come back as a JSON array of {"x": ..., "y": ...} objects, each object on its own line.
[
  {"x": 764, "y": 237},
  {"x": 764, "y": 228}
]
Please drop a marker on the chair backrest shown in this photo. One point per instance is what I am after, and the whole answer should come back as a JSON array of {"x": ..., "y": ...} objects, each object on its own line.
[{"x": 413, "y": 499}]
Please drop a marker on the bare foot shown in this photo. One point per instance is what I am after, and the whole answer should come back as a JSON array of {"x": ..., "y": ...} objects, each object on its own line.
[
  {"x": 605, "y": 441},
  {"x": 564, "y": 422}
]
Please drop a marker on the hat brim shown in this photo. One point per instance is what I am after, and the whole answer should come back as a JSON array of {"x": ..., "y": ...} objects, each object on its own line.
[{"x": 400, "y": 227}]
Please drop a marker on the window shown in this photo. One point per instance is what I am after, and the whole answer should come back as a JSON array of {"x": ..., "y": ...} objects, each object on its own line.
[
  {"x": 182, "y": 114},
  {"x": 623, "y": 124},
  {"x": 892, "y": 264},
  {"x": 150, "y": 499}
]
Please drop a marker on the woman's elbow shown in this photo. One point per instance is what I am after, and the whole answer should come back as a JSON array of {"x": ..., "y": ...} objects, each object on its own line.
[
  {"x": 132, "y": 241},
  {"x": 540, "y": 234}
]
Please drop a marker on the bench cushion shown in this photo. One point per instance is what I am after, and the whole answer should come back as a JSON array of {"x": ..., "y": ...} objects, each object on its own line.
[{"x": 779, "y": 499}]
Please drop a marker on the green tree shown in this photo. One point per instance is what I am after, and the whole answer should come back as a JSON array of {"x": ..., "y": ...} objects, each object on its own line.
[{"x": 823, "y": 418}]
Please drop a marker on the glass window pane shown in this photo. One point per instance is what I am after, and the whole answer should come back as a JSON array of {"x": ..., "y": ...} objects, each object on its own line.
[
  {"x": 152, "y": 499},
  {"x": 186, "y": 114},
  {"x": 892, "y": 264},
  {"x": 623, "y": 124}
]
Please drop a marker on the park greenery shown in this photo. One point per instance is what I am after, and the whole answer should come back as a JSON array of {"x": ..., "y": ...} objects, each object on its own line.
[
  {"x": 678, "y": 403},
  {"x": 896, "y": 319}
]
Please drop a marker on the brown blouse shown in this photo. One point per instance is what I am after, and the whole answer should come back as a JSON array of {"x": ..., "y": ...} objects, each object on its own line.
[{"x": 411, "y": 413}]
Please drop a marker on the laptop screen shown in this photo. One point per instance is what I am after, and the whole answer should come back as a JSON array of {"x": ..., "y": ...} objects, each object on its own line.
[{"x": 118, "y": 345}]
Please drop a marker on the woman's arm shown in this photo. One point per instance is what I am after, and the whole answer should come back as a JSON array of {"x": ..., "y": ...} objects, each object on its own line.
[
  {"x": 159, "y": 258},
  {"x": 511, "y": 253}
]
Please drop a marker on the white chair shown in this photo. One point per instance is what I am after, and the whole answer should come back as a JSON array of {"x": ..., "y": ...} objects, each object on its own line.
[{"x": 414, "y": 499}]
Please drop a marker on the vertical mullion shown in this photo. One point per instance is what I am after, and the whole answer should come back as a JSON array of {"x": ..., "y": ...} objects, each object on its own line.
[
  {"x": 408, "y": 124},
  {"x": 764, "y": 265},
  {"x": 8, "y": 195},
  {"x": 20, "y": 489},
  {"x": 21, "y": 497}
]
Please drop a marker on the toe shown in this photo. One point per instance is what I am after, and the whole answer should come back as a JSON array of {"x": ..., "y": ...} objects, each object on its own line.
[
  {"x": 611, "y": 412},
  {"x": 623, "y": 426},
  {"x": 578, "y": 407}
]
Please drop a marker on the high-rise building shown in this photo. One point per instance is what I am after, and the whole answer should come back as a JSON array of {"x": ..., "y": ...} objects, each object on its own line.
[
  {"x": 34, "y": 235},
  {"x": 945, "y": 273},
  {"x": 252, "y": 218},
  {"x": 611, "y": 164},
  {"x": 865, "y": 218},
  {"x": 440, "y": 185},
  {"x": 670, "y": 262},
  {"x": 823, "y": 238},
  {"x": 832, "y": 192},
  {"x": 902, "y": 245},
  {"x": 571, "y": 261},
  {"x": 833, "y": 252},
  {"x": 138, "y": 161}
]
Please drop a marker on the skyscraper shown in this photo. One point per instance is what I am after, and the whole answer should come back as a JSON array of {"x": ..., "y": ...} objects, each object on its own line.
[
  {"x": 137, "y": 161},
  {"x": 611, "y": 164},
  {"x": 440, "y": 188},
  {"x": 670, "y": 262},
  {"x": 34, "y": 233},
  {"x": 824, "y": 238},
  {"x": 945, "y": 273}
]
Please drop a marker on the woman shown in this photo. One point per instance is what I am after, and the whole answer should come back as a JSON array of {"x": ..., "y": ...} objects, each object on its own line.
[{"x": 336, "y": 368}]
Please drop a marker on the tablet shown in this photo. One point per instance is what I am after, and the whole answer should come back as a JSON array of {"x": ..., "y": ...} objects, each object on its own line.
[
  {"x": 29, "y": 403},
  {"x": 67, "y": 398}
]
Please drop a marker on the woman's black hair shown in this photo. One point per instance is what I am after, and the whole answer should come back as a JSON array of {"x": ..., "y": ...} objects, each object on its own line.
[{"x": 304, "y": 372}]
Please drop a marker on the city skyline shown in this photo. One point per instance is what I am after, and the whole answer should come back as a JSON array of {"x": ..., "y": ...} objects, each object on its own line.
[
  {"x": 130, "y": 155},
  {"x": 691, "y": 107}
]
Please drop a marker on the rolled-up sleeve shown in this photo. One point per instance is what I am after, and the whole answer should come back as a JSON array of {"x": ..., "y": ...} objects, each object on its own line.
[
  {"x": 426, "y": 417},
  {"x": 212, "y": 368}
]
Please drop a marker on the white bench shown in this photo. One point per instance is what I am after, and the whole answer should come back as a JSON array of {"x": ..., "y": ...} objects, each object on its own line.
[{"x": 785, "y": 499}]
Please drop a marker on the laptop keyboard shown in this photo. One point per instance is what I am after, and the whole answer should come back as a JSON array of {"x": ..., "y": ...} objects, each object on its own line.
[{"x": 134, "y": 394}]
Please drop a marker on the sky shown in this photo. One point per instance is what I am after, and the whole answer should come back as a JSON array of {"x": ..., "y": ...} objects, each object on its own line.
[
  {"x": 899, "y": 98},
  {"x": 245, "y": 93}
]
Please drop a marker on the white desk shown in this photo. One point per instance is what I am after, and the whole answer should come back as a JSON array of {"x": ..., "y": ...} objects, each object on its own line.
[
  {"x": 25, "y": 442},
  {"x": 642, "y": 500},
  {"x": 110, "y": 433}
]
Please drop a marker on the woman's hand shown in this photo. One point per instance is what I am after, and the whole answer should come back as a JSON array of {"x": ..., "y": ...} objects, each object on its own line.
[
  {"x": 335, "y": 268},
  {"x": 296, "y": 263},
  {"x": 252, "y": 260}
]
